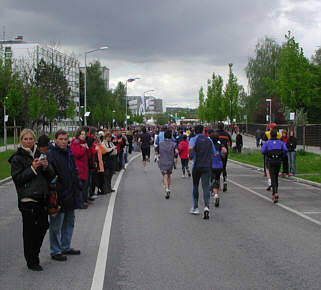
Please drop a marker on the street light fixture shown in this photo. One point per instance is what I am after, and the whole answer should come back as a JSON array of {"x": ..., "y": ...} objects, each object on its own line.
[
  {"x": 85, "y": 85},
  {"x": 270, "y": 117},
  {"x": 128, "y": 81}
]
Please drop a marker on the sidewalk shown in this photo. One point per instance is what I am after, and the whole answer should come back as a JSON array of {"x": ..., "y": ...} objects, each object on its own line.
[{"x": 250, "y": 143}]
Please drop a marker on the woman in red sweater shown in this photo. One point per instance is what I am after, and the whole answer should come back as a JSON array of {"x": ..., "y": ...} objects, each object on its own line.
[{"x": 81, "y": 153}]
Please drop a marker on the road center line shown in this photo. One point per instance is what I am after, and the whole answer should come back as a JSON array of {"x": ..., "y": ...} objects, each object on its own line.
[
  {"x": 100, "y": 268},
  {"x": 277, "y": 204}
]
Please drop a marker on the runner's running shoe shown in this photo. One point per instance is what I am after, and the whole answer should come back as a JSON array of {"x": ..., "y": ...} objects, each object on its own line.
[
  {"x": 225, "y": 186},
  {"x": 275, "y": 198},
  {"x": 167, "y": 193},
  {"x": 217, "y": 200},
  {"x": 195, "y": 211},
  {"x": 269, "y": 188},
  {"x": 206, "y": 213}
]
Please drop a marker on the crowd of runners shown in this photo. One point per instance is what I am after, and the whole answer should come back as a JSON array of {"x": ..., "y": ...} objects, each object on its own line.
[{"x": 57, "y": 176}]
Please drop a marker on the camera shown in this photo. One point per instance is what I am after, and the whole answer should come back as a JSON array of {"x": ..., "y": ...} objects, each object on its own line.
[{"x": 42, "y": 157}]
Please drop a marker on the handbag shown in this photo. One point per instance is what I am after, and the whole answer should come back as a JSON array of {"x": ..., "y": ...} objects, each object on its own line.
[{"x": 53, "y": 206}]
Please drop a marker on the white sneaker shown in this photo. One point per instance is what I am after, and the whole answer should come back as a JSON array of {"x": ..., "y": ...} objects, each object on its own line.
[
  {"x": 206, "y": 213},
  {"x": 167, "y": 193},
  {"x": 183, "y": 176},
  {"x": 195, "y": 211}
]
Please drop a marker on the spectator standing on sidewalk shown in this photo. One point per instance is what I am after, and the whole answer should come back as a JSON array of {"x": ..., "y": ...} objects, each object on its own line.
[
  {"x": 109, "y": 159},
  {"x": 43, "y": 141},
  {"x": 291, "y": 145},
  {"x": 69, "y": 196},
  {"x": 81, "y": 154},
  {"x": 31, "y": 177},
  {"x": 92, "y": 162},
  {"x": 258, "y": 136},
  {"x": 285, "y": 161},
  {"x": 239, "y": 142}
]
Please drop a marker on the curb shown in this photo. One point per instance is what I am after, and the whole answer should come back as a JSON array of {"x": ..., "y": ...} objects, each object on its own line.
[
  {"x": 293, "y": 178},
  {"x": 5, "y": 180}
]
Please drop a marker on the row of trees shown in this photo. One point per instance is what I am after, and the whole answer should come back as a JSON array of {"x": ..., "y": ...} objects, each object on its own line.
[
  {"x": 34, "y": 95},
  {"x": 278, "y": 72},
  {"x": 221, "y": 103}
]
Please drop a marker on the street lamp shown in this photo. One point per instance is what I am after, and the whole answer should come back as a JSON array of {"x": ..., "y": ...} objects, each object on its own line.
[
  {"x": 5, "y": 119},
  {"x": 128, "y": 81},
  {"x": 85, "y": 85},
  {"x": 113, "y": 117},
  {"x": 270, "y": 100}
]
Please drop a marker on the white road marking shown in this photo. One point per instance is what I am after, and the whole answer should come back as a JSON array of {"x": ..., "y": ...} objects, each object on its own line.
[
  {"x": 312, "y": 212},
  {"x": 100, "y": 268},
  {"x": 277, "y": 204}
]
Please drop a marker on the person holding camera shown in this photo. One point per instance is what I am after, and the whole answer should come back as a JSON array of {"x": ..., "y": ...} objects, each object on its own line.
[{"x": 31, "y": 175}]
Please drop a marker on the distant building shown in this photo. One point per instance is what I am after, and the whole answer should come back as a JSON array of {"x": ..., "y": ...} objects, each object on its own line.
[
  {"x": 20, "y": 51},
  {"x": 150, "y": 105},
  {"x": 180, "y": 109}
]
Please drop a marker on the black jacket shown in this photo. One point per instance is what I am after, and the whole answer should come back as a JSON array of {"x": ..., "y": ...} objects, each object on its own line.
[
  {"x": 225, "y": 138},
  {"x": 28, "y": 183},
  {"x": 68, "y": 182},
  {"x": 291, "y": 143}
]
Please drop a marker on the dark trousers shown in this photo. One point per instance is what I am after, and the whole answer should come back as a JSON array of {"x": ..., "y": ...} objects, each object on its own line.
[
  {"x": 185, "y": 165},
  {"x": 285, "y": 164},
  {"x": 239, "y": 148},
  {"x": 108, "y": 174},
  {"x": 84, "y": 190},
  {"x": 98, "y": 179},
  {"x": 224, "y": 160},
  {"x": 274, "y": 172},
  {"x": 215, "y": 177},
  {"x": 203, "y": 174},
  {"x": 35, "y": 225}
]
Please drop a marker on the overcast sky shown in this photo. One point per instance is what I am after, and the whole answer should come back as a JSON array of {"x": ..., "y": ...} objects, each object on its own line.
[{"x": 174, "y": 46}]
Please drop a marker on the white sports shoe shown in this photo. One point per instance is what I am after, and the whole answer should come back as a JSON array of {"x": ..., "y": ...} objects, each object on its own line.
[
  {"x": 206, "y": 213},
  {"x": 194, "y": 211},
  {"x": 183, "y": 176}
]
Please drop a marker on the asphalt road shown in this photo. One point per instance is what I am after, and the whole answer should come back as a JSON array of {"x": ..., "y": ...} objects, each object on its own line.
[{"x": 248, "y": 243}]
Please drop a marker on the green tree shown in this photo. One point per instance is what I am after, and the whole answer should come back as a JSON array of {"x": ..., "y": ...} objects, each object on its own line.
[
  {"x": 260, "y": 68},
  {"x": 71, "y": 110},
  {"x": 34, "y": 104},
  {"x": 294, "y": 82},
  {"x": 201, "y": 112},
  {"x": 231, "y": 94},
  {"x": 50, "y": 81},
  {"x": 50, "y": 109},
  {"x": 15, "y": 101}
]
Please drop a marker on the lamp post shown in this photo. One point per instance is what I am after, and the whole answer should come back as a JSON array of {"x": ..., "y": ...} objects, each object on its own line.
[
  {"x": 128, "y": 81},
  {"x": 113, "y": 120},
  {"x": 85, "y": 85},
  {"x": 270, "y": 117},
  {"x": 4, "y": 123}
]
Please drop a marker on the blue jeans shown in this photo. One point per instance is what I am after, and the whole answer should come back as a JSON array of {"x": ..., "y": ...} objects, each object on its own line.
[
  {"x": 60, "y": 232},
  {"x": 203, "y": 174},
  {"x": 292, "y": 156}
]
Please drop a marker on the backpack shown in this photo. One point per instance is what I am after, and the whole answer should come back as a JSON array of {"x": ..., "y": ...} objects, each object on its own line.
[
  {"x": 203, "y": 151},
  {"x": 275, "y": 156}
]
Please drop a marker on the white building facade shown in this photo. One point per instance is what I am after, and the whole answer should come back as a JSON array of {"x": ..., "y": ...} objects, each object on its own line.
[{"x": 30, "y": 54}]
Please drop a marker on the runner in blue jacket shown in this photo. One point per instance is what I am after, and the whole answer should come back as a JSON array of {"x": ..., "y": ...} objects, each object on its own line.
[{"x": 274, "y": 150}]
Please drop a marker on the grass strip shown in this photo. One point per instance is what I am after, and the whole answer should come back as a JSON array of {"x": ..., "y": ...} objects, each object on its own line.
[
  {"x": 4, "y": 164},
  {"x": 308, "y": 165}
]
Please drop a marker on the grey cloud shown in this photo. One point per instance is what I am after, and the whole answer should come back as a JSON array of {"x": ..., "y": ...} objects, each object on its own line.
[{"x": 145, "y": 30}]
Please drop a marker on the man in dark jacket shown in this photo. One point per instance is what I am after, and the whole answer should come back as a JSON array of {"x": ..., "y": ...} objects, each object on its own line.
[{"x": 68, "y": 189}]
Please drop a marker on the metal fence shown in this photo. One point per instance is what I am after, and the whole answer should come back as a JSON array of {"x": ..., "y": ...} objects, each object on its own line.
[{"x": 307, "y": 135}]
